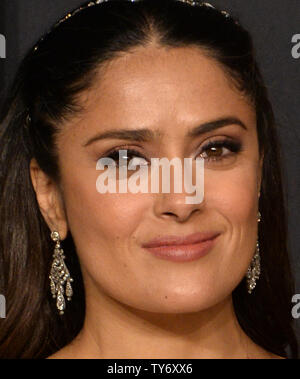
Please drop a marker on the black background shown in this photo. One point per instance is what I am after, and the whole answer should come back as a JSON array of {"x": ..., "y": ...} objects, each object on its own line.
[{"x": 272, "y": 24}]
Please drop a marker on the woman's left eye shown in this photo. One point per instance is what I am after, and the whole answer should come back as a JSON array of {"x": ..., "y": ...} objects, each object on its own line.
[{"x": 214, "y": 150}]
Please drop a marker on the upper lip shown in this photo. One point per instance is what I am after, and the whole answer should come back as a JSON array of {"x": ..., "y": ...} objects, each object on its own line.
[{"x": 175, "y": 240}]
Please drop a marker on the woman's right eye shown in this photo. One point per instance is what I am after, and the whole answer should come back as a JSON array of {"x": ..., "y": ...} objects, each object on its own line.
[{"x": 129, "y": 158}]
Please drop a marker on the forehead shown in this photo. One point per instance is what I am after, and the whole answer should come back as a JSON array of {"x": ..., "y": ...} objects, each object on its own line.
[{"x": 155, "y": 86}]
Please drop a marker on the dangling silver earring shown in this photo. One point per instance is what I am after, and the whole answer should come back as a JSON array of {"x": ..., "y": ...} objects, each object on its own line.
[
  {"x": 59, "y": 276},
  {"x": 254, "y": 269}
]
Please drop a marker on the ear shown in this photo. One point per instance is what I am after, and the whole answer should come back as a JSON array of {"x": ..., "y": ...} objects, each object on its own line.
[{"x": 49, "y": 199}]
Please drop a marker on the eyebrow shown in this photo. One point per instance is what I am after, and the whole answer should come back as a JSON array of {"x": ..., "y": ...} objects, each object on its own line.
[
  {"x": 215, "y": 124},
  {"x": 145, "y": 135}
]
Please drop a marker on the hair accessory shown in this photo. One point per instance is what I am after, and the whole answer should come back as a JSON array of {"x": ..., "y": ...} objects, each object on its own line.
[
  {"x": 197, "y": 3},
  {"x": 97, "y": 2},
  {"x": 59, "y": 276},
  {"x": 226, "y": 14}
]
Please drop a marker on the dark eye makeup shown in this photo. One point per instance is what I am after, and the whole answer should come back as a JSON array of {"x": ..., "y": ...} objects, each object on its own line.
[
  {"x": 212, "y": 148},
  {"x": 213, "y": 151}
]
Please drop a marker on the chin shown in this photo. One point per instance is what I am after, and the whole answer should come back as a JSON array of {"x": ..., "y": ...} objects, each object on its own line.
[{"x": 183, "y": 303}]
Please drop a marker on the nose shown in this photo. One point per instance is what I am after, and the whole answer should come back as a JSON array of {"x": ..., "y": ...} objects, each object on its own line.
[
  {"x": 176, "y": 202},
  {"x": 174, "y": 206}
]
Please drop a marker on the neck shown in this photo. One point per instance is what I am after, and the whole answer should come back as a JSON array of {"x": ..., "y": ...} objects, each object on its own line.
[{"x": 114, "y": 330}]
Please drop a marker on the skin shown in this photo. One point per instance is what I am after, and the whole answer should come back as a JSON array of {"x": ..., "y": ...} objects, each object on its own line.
[{"x": 140, "y": 306}]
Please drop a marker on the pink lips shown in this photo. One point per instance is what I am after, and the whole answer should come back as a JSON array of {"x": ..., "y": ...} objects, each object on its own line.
[{"x": 182, "y": 249}]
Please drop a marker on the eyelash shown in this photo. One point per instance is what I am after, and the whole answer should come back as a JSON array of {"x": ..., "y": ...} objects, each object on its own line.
[
  {"x": 234, "y": 147},
  {"x": 114, "y": 154}
]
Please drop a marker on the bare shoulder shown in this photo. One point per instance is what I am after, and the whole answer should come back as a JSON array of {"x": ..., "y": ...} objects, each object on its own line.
[
  {"x": 274, "y": 356},
  {"x": 75, "y": 351},
  {"x": 258, "y": 352},
  {"x": 67, "y": 352},
  {"x": 61, "y": 354},
  {"x": 264, "y": 354}
]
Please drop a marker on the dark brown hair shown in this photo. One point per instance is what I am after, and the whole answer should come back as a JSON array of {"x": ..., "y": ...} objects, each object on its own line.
[{"x": 46, "y": 87}]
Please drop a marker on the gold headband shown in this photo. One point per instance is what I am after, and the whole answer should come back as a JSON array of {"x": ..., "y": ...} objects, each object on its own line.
[{"x": 97, "y": 2}]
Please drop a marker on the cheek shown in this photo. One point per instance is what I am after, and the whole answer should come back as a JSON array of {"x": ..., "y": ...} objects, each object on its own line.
[
  {"x": 233, "y": 193},
  {"x": 232, "y": 197},
  {"x": 95, "y": 219}
]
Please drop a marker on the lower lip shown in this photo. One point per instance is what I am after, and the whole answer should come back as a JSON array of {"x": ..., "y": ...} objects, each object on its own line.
[{"x": 183, "y": 253}]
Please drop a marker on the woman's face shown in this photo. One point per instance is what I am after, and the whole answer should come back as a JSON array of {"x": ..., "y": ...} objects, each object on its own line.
[{"x": 169, "y": 92}]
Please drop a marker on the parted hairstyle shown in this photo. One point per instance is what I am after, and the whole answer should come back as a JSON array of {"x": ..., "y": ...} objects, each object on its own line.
[{"x": 46, "y": 87}]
